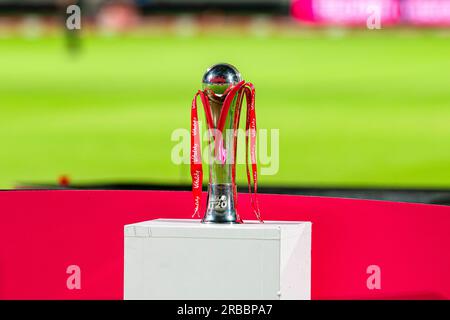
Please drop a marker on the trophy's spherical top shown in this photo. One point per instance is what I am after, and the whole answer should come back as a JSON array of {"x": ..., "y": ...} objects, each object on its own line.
[{"x": 220, "y": 76}]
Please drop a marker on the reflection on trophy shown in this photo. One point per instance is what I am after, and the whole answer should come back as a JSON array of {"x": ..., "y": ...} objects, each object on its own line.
[{"x": 222, "y": 97}]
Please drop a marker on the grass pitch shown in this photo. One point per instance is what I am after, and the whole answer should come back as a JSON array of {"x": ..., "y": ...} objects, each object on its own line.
[{"x": 362, "y": 109}]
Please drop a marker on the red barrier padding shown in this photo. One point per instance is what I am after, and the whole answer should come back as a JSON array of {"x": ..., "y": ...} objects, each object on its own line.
[{"x": 44, "y": 232}]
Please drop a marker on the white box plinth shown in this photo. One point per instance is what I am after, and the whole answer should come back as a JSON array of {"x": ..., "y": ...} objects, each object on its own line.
[{"x": 185, "y": 259}]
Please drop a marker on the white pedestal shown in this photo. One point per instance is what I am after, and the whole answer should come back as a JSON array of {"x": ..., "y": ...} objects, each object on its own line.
[{"x": 184, "y": 259}]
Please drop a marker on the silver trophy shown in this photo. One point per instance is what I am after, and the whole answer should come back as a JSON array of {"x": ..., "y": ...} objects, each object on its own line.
[
  {"x": 222, "y": 97},
  {"x": 221, "y": 188}
]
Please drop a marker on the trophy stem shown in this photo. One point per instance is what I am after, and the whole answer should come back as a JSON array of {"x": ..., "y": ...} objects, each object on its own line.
[{"x": 221, "y": 206}]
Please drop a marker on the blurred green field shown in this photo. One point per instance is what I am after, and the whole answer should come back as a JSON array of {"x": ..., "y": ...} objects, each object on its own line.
[{"x": 366, "y": 109}]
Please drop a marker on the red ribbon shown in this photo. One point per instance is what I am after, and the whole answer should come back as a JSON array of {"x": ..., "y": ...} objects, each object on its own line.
[
  {"x": 241, "y": 89},
  {"x": 250, "y": 129},
  {"x": 196, "y": 156}
]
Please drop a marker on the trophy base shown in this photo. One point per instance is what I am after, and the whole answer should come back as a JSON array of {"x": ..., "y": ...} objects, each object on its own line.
[
  {"x": 214, "y": 218},
  {"x": 225, "y": 222},
  {"x": 221, "y": 208}
]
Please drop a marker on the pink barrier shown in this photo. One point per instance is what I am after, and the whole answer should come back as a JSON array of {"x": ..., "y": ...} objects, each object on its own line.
[
  {"x": 44, "y": 232},
  {"x": 345, "y": 12},
  {"x": 357, "y": 12},
  {"x": 426, "y": 12}
]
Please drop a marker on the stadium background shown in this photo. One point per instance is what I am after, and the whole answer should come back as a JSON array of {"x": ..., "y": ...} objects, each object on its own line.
[{"x": 356, "y": 108}]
